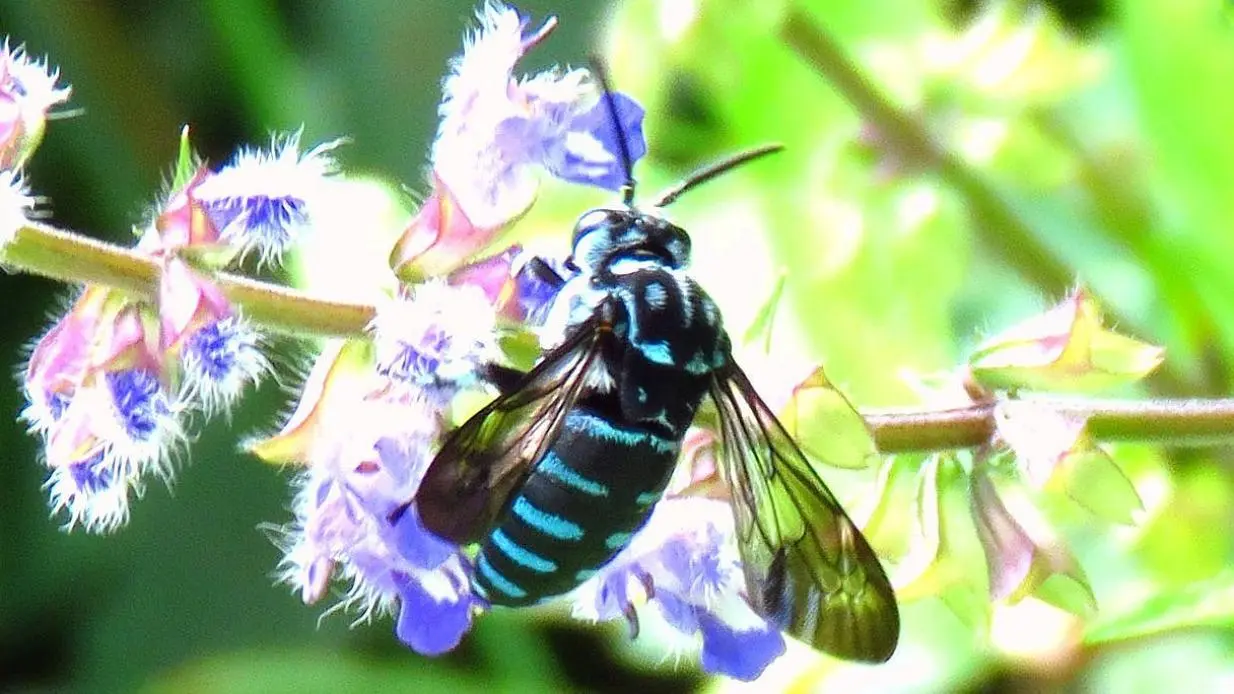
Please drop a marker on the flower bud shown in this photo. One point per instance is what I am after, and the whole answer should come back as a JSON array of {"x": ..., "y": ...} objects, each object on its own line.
[
  {"x": 27, "y": 91},
  {"x": 1065, "y": 349}
]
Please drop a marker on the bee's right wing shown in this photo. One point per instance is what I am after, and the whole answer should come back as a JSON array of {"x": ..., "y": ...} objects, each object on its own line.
[
  {"x": 808, "y": 567},
  {"x": 482, "y": 462}
]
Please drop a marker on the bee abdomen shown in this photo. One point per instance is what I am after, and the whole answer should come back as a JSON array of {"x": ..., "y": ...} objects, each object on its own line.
[{"x": 578, "y": 508}]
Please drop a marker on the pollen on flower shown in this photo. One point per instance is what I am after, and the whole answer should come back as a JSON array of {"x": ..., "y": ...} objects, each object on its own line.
[
  {"x": 15, "y": 204},
  {"x": 263, "y": 202},
  {"x": 220, "y": 360},
  {"x": 435, "y": 338}
]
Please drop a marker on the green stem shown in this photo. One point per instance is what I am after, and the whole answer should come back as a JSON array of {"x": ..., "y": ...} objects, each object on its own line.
[
  {"x": 1004, "y": 232},
  {"x": 62, "y": 255},
  {"x": 1162, "y": 421}
]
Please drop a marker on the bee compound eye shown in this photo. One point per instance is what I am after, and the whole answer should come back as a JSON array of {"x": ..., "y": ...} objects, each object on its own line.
[{"x": 592, "y": 220}]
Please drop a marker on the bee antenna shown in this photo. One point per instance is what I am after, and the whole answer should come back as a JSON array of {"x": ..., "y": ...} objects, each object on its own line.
[
  {"x": 712, "y": 170},
  {"x": 623, "y": 149}
]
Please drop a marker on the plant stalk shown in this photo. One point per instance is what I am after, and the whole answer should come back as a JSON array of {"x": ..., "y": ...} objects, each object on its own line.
[
  {"x": 62, "y": 255},
  {"x": 44, "y": 250}
]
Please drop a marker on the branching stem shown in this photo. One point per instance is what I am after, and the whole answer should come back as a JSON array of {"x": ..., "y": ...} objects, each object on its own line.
[
  {"x": 62, "y": 255},
  {"x": 44, "y": 250}
]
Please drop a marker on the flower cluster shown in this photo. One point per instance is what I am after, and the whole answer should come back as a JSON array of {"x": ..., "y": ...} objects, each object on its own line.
[
  {"x": 111, "y": 385},
  {"x": 982, "y": 507},
  {"x": 374, "y": 411},
  {"x": 28, "y": 91}
]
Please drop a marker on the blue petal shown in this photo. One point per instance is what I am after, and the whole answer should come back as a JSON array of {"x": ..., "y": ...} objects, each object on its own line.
[
  {"x": 93, "y": 474},
  {"x": 58, "y": 403},
  {"x": 417, "y": 544},
  {"x": 678, "y": 613},
  {"x": 139, "y": 401},
  {"x": 581, "y": 166},
  {"x": 678, "y": 556},
  {"x": 426, "y": 625},
  {"x": 259, "y": 221},
  {"x": 417, "y": 363},
  {"x": 742, "y": 655},
  {"x": 535, "y": 295},
  {"x": 397, "y": 461}
]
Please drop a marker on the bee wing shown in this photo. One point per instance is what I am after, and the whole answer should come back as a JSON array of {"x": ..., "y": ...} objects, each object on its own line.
[
  {"x": 807, "y": 566},
  {"x": 484, "y": 460}
]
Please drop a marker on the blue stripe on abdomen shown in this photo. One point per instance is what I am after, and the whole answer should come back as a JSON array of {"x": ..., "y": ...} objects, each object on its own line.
[
  {"x": 598, "y": 427},
  {"x": 552, "y": 525},
  {"x": 520, "y": 554},
  {"x": 577, "y": 508},
  {"x": 554, "y": 467},
  {"x": 488, "y": 577}
]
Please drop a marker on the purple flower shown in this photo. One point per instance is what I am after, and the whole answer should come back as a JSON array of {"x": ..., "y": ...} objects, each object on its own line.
[
  {"x": 495, "y": 130},
  {"x": 432, "y": 622},
  {"x": 92, "y": 492},
  {"x": 589, "y": 151},
  {"x": 264, "y": 201},
  {"x": 220, "y": 360},
  {"x": 685, "y": 561},
  {"x": 27, "y": 92},
  {"x": 433, "y": 340},
  {"x": 367, "y": 461},
  {"x": 140, "y": 406},
  {"x": 534, "y": 294},
  {"x": 103, "y": 442}
]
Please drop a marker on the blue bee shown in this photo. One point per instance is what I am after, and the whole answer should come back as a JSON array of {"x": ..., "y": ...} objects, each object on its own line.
[{"x": 553, "y": 477}]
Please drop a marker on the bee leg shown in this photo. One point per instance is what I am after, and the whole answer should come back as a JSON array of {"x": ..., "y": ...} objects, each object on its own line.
[
  {"x": 544, "y": 272},
  {"x": 631, "y": 618},
  {"x": 649, "y": 585},
  {"x": 505, "y": 379}
]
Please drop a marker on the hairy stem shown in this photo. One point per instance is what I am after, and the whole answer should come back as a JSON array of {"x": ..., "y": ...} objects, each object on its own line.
[
  {"x": 1163, "y": 421},
  {"x": 62, "y": 255}
]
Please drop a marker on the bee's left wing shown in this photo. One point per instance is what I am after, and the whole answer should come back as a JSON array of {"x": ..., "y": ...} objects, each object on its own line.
[
  {"x": 808, "y": 568},
  {"x": 483, "y": 461}
]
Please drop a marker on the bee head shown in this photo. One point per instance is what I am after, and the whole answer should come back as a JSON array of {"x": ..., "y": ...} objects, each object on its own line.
[{"x": 603, "y": 236}]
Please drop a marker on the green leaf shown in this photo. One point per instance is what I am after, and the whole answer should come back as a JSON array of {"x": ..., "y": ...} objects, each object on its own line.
[
  {"x": 826, "y": 425},
  {"x": 186, "y": 162},
  {"x": 1204, "y": 603},
  {"x": 1179, "y": 62},
  {"x": 1093, "y": 480},
  {"x": 256, "y": 672}
]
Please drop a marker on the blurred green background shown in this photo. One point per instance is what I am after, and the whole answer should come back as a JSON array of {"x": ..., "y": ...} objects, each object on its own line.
[{"x": 1088, "y": 140}]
